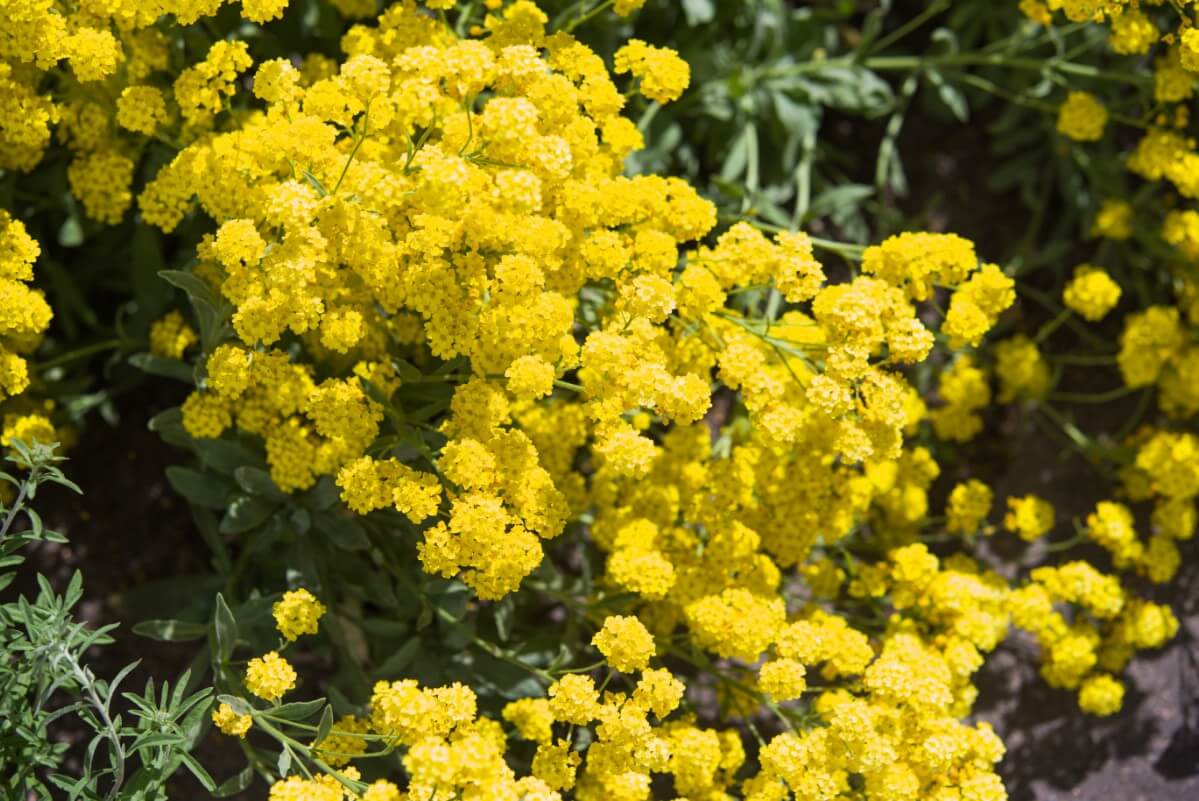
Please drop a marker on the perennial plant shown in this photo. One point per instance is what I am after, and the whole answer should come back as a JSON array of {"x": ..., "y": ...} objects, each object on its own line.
[{"x": 539, "y": 455}]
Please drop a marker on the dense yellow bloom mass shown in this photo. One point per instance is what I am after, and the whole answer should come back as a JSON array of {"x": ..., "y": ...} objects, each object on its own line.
[
  {"x": 466, "y": 228},
  {"x": 448, "y": 300}
]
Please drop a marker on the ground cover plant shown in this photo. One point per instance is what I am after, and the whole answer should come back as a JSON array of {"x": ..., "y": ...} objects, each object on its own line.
[{"x": 592, "y": 400}]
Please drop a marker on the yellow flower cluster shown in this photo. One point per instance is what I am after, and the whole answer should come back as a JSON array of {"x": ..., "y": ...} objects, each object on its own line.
[
  {"x": 270, "y": 677},
  {"x": 1088, "y": 626},
  {"x": 109, "y": 61},
  {"x": 230, "y": 722},
  {"x": 26, "y": 315},
  {"x": 661, "y": 74},
  {"x": 1030, "y": 517},
  {"x": 297, "y": 613},
  {"x": 1022, "y": 370},
  {"x": 1082, "y": 117},
  {"x": 24, "y": 318},
  {"x": 171, "y": 336},
  {"x": 1091, "y": 293},
  {"x": 966, "y": 391},
  {"x": 625, "y": 644},
  {"x": 900, "y": 732}
]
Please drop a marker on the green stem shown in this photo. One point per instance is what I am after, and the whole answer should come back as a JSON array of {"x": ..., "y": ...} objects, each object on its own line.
[
  {"x": 1047, "y": 330},
  {"x": 19, "y": 503},
  {"x": 1076, "y": 437},
  {"x": 587, "y": 16},
  {"x": 354, "y": 152},
  {"x": 98, "y": 347},
  {"x": 1135, "y": 418},
  {"x": 1085, "y": 359},
  {"x": 889, "y": 63},
  {"x": 1049, "y": 303},
  {"x": 846, "y": 249},
  {"x": 490, "y": 648},
  {"x": 88, "y": 683},
  {"x": 294, "y": 746},
  {"x": 1096, "y": 397},
  {"x": 1065, "y": 545},
  {"x": 929, "y": 12}
]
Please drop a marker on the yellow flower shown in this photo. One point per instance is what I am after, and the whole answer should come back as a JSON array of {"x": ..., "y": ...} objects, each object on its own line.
[
  {"x": 1082, "y": 117},
  {"x": 231, "y": 723},
  {"x": 1030, "y": 517},
  {"x": 625, "y": 643},
  {"x": 270, "y": 676},
  {"x": 296, "y": 613},
  {"x": 782, "y": 679},
  {"x": 662, "y": 74},
  {"x": 624, "y": 8},
  {"x": 1091, "y": 293},
  {"x": 573, "y": 699},
  {"x": 1101, "y": 695}
]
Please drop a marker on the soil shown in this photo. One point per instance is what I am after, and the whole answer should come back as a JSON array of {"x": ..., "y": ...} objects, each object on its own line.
[{"x": 1147, "y": 752}]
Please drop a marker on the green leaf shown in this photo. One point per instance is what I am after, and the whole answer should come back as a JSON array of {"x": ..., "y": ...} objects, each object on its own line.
[
  {"x": 398, "y": 661},
  {"x": 211, "y": 311},
  {"x": 950, "y": 95},
  {"x": 322, "y": 496},
  {"x": 235, "y": 784},
  {"x": 796, "y": 118},
  {"x": 169, "y": 426},
  {"x": 224, "y": 455},
  {"x": 168, "y": 368},
  {"x": 170, "y": 630},
  {"x": 226, "y": 629},
  {"x": 202, "y": 489},
  {"x": 343, "y": 531},
  {"x": 849, "y": 88},
  {"x": 839, "y": 200},
  {"x": 195, "y": 288},
  {"x": 70, "y": 233},
  {"x": 154, "y": 740},
  {"x": 246, "y": 513},
  {"x": 257, "y": 481},
  {"x": 315, "y": 183},
  {"x": 324, "y": 727},
  {"x": 737, "y": 160},
  {"x": 406, "y": 370},
  {"x": 198, "y": 771},
  {"x": 206, "y": 524},
  {"x": 238, "y": 705},
  {"x": 298, "y": 710},
  {"x": 504, "y": 611}
]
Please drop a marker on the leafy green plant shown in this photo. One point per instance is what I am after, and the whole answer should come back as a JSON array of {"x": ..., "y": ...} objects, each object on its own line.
[{"x": 134, "y": 741}]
